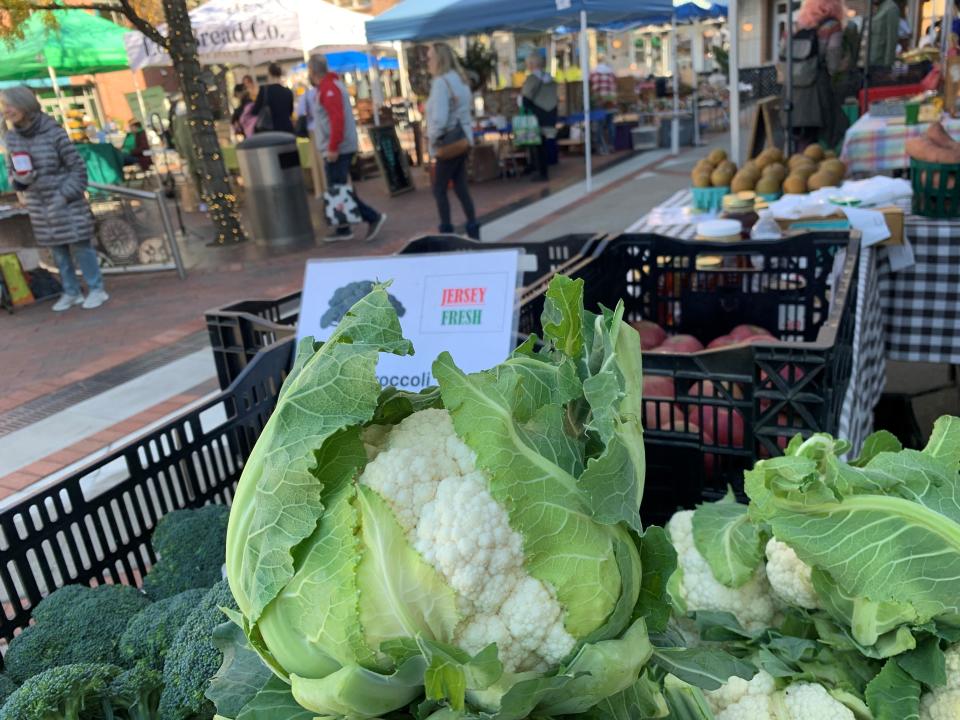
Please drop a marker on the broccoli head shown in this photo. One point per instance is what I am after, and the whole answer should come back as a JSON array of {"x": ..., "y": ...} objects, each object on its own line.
[
  {"x": 193, "y": 659},
  {"x": 7, "y": 688},
  {"x": 75, "y": 624},
  {"x": 66, "y": 692},
  {"x": 190, "y": 549},
  {"x": 150, "y": 632},
  {"x": 346, "y": 297},
  {"x": 136, "y": 692}
]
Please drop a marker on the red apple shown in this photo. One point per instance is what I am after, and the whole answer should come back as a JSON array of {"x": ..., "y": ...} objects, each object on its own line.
[
  {"x": 721, "y": 341},
  {"x": 744, "y": 332},
  {"x": 679, "y": 344},
  {"x": 760, "y": 339},
  {"x": 651, "y": 334},
  {"x": 658, "y": 386},
  {"x": 724, "y": 425},
  {"x": 662, "y": 415},
  {"x": 707, "y": 388}
]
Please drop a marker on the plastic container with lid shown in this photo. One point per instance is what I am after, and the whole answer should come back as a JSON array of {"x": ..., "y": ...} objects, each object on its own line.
[
  {"x": 719, "y": 230},
  {"x": 740, "y": 206}
]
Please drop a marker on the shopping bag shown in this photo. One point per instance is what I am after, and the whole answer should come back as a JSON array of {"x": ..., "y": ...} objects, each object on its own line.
[
  {"x": 340, "y": 206},
  {"x": 526, "y": 130}
]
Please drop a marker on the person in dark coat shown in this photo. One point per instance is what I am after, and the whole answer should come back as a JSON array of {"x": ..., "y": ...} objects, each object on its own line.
[
  {"x": 278, "y": 98},
  {"x": 817, "y": 111},
  {"x": 44, "y": 165},
  {"x": 539, "y": 96}
]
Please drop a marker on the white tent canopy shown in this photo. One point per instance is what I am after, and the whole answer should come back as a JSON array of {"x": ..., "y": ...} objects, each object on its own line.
[{"x": 247, "y": 32}]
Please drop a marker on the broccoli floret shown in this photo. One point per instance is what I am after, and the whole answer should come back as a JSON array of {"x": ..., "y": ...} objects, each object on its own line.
[
  {"x": 193, "y": 659},
  {"x": 7, "y": 688},
  {"x": 151, "y": 631},
  {"x": 63, "y": 693},
  {"x": 136, "y": 692},
  {"x": 76, "y": 624},
  {"x": 190, "y": 547}
]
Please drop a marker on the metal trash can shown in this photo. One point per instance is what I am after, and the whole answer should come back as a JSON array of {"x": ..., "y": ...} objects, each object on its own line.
[{"x": 276, "y": 196}]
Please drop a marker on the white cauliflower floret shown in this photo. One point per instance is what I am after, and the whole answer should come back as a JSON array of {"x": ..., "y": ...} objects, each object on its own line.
[
  {"x": 736, "y": 689},
  {"x": 419, "y": 446},
  {"x": 811, "y": 701},
  {"x": 428, "y": 477},
  {"x": 759, "y": 699},
  {"x": 751, "y": 603},
  {"x": 943, "y": 703},
  {"x": 789, "y": 576}
]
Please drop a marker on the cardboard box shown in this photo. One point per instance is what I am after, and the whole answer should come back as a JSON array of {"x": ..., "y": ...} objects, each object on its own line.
[{"x": 838, "y": 221}]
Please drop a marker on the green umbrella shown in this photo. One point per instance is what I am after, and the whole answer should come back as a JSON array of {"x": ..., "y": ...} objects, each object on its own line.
[{"x": 81, "y": 43}]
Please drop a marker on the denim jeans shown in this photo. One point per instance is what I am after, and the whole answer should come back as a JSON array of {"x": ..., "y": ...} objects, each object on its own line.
[
  {"x": 454, "y": 169},
  {"x": 86, "y": 259},
  {"x": 338, "y": 173}
]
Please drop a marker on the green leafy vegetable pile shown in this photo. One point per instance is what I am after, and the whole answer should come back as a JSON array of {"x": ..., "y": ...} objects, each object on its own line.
[
  {"x": 840, "y": 580},
  {"x": 470, "y": 551}
]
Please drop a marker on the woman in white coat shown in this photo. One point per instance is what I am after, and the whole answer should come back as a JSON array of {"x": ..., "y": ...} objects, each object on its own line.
[{"x": 447, "y": 106}]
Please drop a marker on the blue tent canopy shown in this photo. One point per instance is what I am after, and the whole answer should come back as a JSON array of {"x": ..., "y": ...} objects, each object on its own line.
[{"x": 425, "y": 19}]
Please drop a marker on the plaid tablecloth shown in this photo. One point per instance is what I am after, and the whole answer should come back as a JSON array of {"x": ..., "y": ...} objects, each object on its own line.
[
  {"x": 921, "y": 303},
  {"x": 868, "y": 375},
  {"x": 872, "y": 145}
]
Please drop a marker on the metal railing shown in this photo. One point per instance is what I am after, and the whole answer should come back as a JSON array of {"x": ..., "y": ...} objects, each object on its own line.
[{"x": 134, "y": 231}]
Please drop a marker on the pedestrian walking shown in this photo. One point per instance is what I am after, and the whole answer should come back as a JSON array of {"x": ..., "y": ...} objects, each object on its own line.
[
  {"x": 603, "y": 96},
  {"x": 336, "y": 134},
  {"x": 539, "y": 96},
  {"x": 273, "y": 107},
  {"x": 243, "y": 120},
  {"x": 44, "y": 165},
  {"x": 450, "y": 134},
  {"x": 306, "y": 124},
  {"x": 818, "y": 57}
]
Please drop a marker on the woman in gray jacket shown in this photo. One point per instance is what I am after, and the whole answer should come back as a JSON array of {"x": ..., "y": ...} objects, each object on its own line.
[
  {"x": 449, "y": 104},
  {"x": 45, "y": 166}
]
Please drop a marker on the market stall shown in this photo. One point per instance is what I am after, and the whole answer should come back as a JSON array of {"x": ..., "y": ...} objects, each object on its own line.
[
  {"x": 429, "y": 19},
  {"x": 876, "y": 145}
]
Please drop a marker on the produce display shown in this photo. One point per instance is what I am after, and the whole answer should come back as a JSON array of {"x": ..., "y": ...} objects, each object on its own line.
[
  {"x": 110, "y": 652},
  {"x": 839, "y": 583},
  {"x": 475, "y": 552},
  {"x": 934, "y": 146},
  {"x": 715, "y": 170},
  {"x": 770, "y": 173}
]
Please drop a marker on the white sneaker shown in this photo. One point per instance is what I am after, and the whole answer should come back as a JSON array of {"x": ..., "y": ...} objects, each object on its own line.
[
  {"x": 95, "y": 299},
  {"x": 66, "y": 302}
]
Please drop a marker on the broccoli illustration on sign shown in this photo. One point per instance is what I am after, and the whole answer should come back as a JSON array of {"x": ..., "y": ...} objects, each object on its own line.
[{"x": 345, "y": 297}]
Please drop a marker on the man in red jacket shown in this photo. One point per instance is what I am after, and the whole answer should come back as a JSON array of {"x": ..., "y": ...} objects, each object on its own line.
[{"x": 335, "y": 131}]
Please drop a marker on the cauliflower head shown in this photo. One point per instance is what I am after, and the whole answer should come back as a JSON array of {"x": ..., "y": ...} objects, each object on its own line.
[
  {"x": 751, "y": 603},
  {"x": 789, "y": 576},
  {"x": 758, "y": 699},
  {"x": 943, "y": 703},
  {"x": 428, "y": 477}
]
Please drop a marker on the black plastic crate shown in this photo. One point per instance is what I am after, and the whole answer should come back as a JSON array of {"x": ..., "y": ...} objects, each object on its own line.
[
  {"x": 94, "y": 526},
  {"x": 238, "y": 331},
  {"x": 772, "y": 390}
]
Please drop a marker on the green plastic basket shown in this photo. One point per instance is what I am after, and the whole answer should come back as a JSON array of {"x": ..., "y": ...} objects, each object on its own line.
[
  {"x": 709, "y": 199},
  {"x": 770, "y": 197},
  {"x": 936, "y": 189}
]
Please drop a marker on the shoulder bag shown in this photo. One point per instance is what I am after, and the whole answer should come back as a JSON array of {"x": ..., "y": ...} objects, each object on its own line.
[
  {"x": 265, "y": 116},
  {"x": 453, "y": 142}
]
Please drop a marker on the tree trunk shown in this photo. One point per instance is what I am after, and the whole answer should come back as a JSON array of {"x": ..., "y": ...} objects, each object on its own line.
[{"x": 215, "y": 189}]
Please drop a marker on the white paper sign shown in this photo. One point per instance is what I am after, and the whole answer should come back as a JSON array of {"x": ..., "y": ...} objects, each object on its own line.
[
  {"x": 871, "y": 224},
  {"x": 464, "y": 303}
]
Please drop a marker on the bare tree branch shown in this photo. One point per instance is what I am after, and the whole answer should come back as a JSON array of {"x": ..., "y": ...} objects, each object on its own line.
[{"x": 120, "y": 6}]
